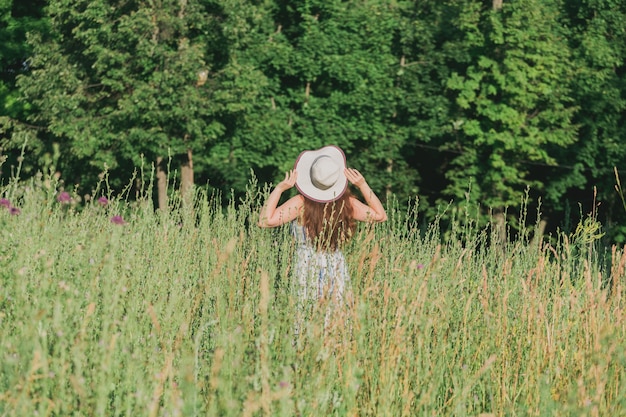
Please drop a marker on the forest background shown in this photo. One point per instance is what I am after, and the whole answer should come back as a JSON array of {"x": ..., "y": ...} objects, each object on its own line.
[{"x": 491, "y": 102}]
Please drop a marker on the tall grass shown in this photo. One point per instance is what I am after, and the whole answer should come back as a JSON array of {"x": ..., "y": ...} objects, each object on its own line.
[{"x": 191, "y": 313}]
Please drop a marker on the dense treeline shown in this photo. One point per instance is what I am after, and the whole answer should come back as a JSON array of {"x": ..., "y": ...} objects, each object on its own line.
[{"x": 449, "y": 100}]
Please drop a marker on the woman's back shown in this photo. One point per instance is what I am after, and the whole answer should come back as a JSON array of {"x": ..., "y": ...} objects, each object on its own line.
[{"x": 319, "y": 273}]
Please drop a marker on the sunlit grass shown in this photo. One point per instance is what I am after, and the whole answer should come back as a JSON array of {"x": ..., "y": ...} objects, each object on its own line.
[{"x": 192, "y": 313}]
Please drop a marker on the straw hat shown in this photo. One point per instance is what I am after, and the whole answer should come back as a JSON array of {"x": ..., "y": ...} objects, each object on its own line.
[{"x": 320, "y": 174}]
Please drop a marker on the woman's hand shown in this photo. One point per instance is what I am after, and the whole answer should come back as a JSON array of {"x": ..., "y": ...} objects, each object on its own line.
[
  {"x": 289, "y": 181},
  {"x": 271, "y": 215},
  {"x": 354, "y": 176},
  {"x": 373, "y": 211}
]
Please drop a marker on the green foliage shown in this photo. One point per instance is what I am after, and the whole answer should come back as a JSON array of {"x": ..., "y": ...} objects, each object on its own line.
[
  {"x": 429, "y": 99},
  {"x": 512, "y": 104},
  {"x": 338, "y": 78},
  {"x": 113, "y": 84},
  {"x": 256, "y": 126},
  {"x": 599, "y": 39},
  {"x": 16, "y": 20}
]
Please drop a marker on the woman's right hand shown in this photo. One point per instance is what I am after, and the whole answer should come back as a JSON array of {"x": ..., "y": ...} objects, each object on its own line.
[
  {"x": 289, "y": 181},
  {"x": 271, "y": 215}
]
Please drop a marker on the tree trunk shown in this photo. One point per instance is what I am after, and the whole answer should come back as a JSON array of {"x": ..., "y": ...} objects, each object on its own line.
[
  {"x": 161, "y": 184},
  {"x": 497, "y": 4},
  {"x": 537, "y": 238},
  {"x": 499, "y": 224},
  {"x": 186, "y": 180}
]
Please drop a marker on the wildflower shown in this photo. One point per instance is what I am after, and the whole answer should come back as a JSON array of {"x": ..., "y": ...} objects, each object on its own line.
[
  {"x": 117, "y": 220},
  {"x": 5, "y": 203},
  {"x": 103, "y": 201},
  {"x": 415, "y": 265},
  {"x": 64, "y": 197},
  {"x": 14, "y": 211}
]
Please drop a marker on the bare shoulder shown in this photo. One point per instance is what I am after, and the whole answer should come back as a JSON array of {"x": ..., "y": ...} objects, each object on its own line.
[
  {"x": 364, "y": 213},
  {"x": 286, "y": 212},
  {"x": 293, "y": 207},
  {"x": 298, "y": 200},
  {"x": 295, "y": 202}
]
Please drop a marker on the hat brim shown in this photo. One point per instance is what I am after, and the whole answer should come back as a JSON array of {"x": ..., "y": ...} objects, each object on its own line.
[{"x": 303, "y": 168}]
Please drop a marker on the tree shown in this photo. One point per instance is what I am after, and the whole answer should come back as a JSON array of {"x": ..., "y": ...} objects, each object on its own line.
[
  {"x": 430, "y": 45},
  {"x": 118, "y": 82},
  {"x": 598, "y": 42},
  {"x": 336, "y": 80},
  {"x": 513, "y": 103},
  {"x": 247, "y": 98},
  {"x": 16, "y": 20}
]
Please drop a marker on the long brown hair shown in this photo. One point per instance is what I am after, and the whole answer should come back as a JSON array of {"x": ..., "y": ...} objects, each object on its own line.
[{"x": 328, "y": 225}]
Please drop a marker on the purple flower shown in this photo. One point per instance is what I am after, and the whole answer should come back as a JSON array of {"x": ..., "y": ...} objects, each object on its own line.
[
  {"x": 64, "y": 197},
  {"x": 5, "y": 203},
  {"x": 117, "y": 220},
  {"x": 103, "y": 201},
  {"x": 14, "y": 211},
  {"x": 420, "y": 266}
]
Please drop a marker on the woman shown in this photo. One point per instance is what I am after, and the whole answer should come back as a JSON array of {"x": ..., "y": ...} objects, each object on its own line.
[{"x": 323, "y": 217}]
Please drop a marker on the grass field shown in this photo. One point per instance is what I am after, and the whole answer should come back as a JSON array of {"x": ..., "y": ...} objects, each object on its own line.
[{"x": 108, "y": 308}]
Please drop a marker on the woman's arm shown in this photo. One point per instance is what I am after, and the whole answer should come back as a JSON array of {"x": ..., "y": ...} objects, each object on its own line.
[
  {"x": 271, "y": 215},
  {"x": 374, "y": 210}
]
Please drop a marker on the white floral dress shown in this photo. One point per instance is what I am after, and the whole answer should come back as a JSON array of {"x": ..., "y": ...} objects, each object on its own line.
[{"x": 320, "y": 274}]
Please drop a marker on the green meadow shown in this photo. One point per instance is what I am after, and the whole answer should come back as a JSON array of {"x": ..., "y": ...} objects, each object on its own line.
[{"x": 111, "y": 308}]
